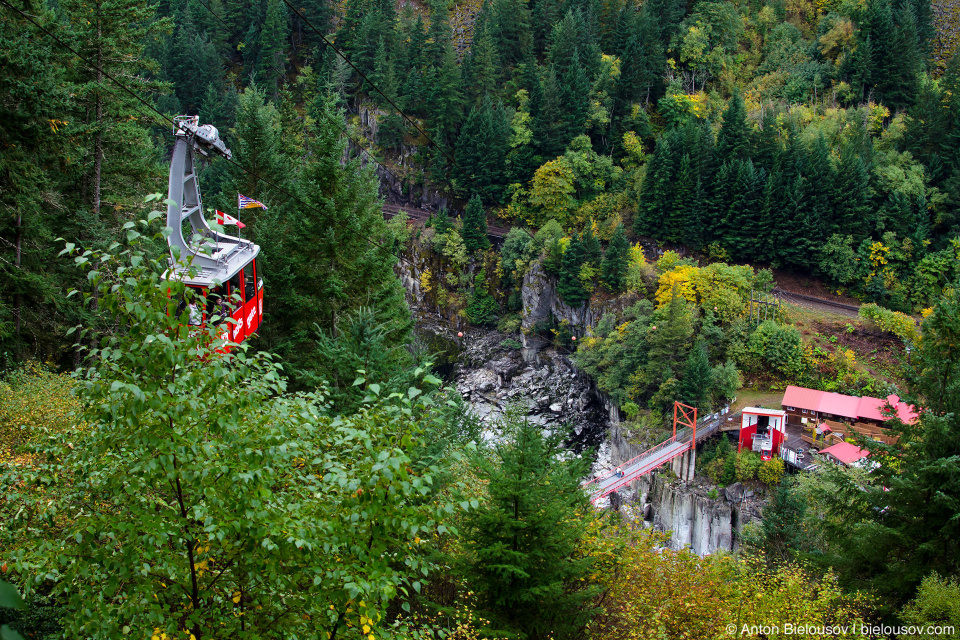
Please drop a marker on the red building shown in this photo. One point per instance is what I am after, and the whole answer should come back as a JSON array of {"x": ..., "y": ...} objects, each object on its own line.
[
  {"x": 811, "y": 409},
  {"x": 763, "y": 430}
]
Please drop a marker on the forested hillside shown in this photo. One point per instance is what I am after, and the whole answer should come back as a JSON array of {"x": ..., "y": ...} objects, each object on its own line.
[
  {"x": 319, "y": 481},
  {"x": 804, "y": 135}
]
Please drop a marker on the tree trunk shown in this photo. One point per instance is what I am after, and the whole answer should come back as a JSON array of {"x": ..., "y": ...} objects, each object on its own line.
[
  {"x": 98, "y": 135},
  {"x": 17, "y": 297}
]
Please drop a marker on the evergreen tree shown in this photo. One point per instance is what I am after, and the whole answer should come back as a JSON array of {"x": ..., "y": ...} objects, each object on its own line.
[
  {"x": 475, "y": 226},
  {"x": 438, "y": 33},
  {"x": 193, "y": 64},
  {"x": 766, "y": 142},
  {"x": 547, "y": 109},
  {"x": 569, "y": 287},
  {"x": 655, "y": 196},
  {"x": 733, "y": 141},
  {"x": 510, "y": 28},
  {"x": 35, "y": 95},
  {"x": 740, "y": 227},
  {"x": 674, "y": 223},
  {"x": 116, "y": 154},
  {"x": 320, "y": 14},
  {"x": 523, "y": 539},
  {"x": 615, "y": 261},
  {"x": 591, "y": 246},
  {"x": 482, "y": 149},
  {"x": 324, "y": 261},
  {"x": 481, "y": 71},
  {"x": 820, "y": 189},
  {"x": 697, "y": 378},
  {"x": 718, "y": 205},
  {"x": 669, "y": 341},
  {"x": 272, "y": 43},
  {"x": 575, "y": 96},
  {"x": 257, "y": 146}
]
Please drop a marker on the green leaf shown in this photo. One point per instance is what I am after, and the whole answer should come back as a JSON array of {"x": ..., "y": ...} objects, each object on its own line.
[
  {"x": 10, "y": 597},
  {"x": 6, "y": 633}
]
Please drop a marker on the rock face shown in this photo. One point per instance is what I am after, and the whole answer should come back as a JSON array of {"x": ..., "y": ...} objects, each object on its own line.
[
  {"x": 550, "y": 389},
  {"x": 541, "y": 304},
  {"x": 689, "y": 514}
]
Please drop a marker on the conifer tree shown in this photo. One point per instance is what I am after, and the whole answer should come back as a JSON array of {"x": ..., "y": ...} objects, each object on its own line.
[
  {"x": 548, "y": 115},
  {"x": 615, "y": 261},
  {"x": 569, "y": 287},
  {"x": 482, "y": 149},
  {"x": 438, "y": 33},
  {"x": 740, "y": 226},
  {"x": 591, "y": 246},
  {"x": 482, "y": 308},
  {"x": 193, "y": 65},
  {"x": 669, "y": 340},
  {"x": 655, "y": 196},
  {"x": 325, "y": 262},
  {"x": 257, "y": 146},
  {"x": 820, "y": 180},
  {"x": 510, "y": 28},
  {"x": 272, "y": 43},
  {"x": 674, "y": 223},
  {"x": 697, "y": 378},
  {"x": 523, "y": 538},
  {"x": 475, "y": 226},
  {"x": 766, "y": 141},
  {"x": 482, "y": 70},
  {"x": 34, "y": 96},
  {"x": 575, "y": 96},
  {"x": 733, "y": 141},
  {"x": 112, "y": 34},
  {"x": 718, "y": 205}
]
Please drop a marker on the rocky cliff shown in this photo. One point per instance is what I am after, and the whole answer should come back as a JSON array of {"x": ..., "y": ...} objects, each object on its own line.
[
  {"x": 541, "y": 303},
  {"x": 694, "y": 517},
  {"x": 493, "y": 374}
]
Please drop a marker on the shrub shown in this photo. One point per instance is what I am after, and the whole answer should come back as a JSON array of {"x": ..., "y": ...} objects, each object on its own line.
[
  {"x": 747, "y": 463},
  {"x": 771, "y": 472},
  {"x": 937, "y": 603}
]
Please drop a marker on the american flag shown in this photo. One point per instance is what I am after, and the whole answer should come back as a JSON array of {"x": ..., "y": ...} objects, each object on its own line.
[{"x": 243, "y": 202}]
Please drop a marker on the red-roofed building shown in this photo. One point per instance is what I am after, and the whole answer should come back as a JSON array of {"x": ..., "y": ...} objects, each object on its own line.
[
  {"x": 809, "y": 408},
  {"x": 763, "y": 430},
  {"x": 845, "y": 453}
]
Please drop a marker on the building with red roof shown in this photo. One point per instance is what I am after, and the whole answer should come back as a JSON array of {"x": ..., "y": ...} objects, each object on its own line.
[
  {"x": 845, "y": 453},
  {"x": 866, "y": 415}
]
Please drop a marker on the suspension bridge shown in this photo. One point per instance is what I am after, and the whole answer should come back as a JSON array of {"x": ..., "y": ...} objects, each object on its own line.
[{"x": 682, "y": 441}]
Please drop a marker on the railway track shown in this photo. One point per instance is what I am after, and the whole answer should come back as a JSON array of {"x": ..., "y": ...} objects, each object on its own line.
[
  {"x": 390, "y": 210},
  {"x": 838, "y": 307}
]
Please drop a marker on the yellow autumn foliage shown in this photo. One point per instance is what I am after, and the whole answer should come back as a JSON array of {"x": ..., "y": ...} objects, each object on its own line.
[{"x": 33, "y": 399}]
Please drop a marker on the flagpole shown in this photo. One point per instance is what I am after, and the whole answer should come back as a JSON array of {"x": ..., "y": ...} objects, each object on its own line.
[{"x": 238, "y": 217}]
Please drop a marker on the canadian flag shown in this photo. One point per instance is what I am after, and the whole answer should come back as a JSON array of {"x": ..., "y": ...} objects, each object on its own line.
[{"x": 223, "y": 218}]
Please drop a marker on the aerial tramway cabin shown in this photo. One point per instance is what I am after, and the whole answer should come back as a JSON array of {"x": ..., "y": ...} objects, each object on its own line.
[
  {"x": 763, "y": 430},
  {"x": 221, "y": 268},
  {"x": 825, "y": 418}
]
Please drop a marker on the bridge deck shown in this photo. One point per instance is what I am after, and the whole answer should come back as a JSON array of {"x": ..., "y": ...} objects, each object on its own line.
[{"x": 654, "y": 457}]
